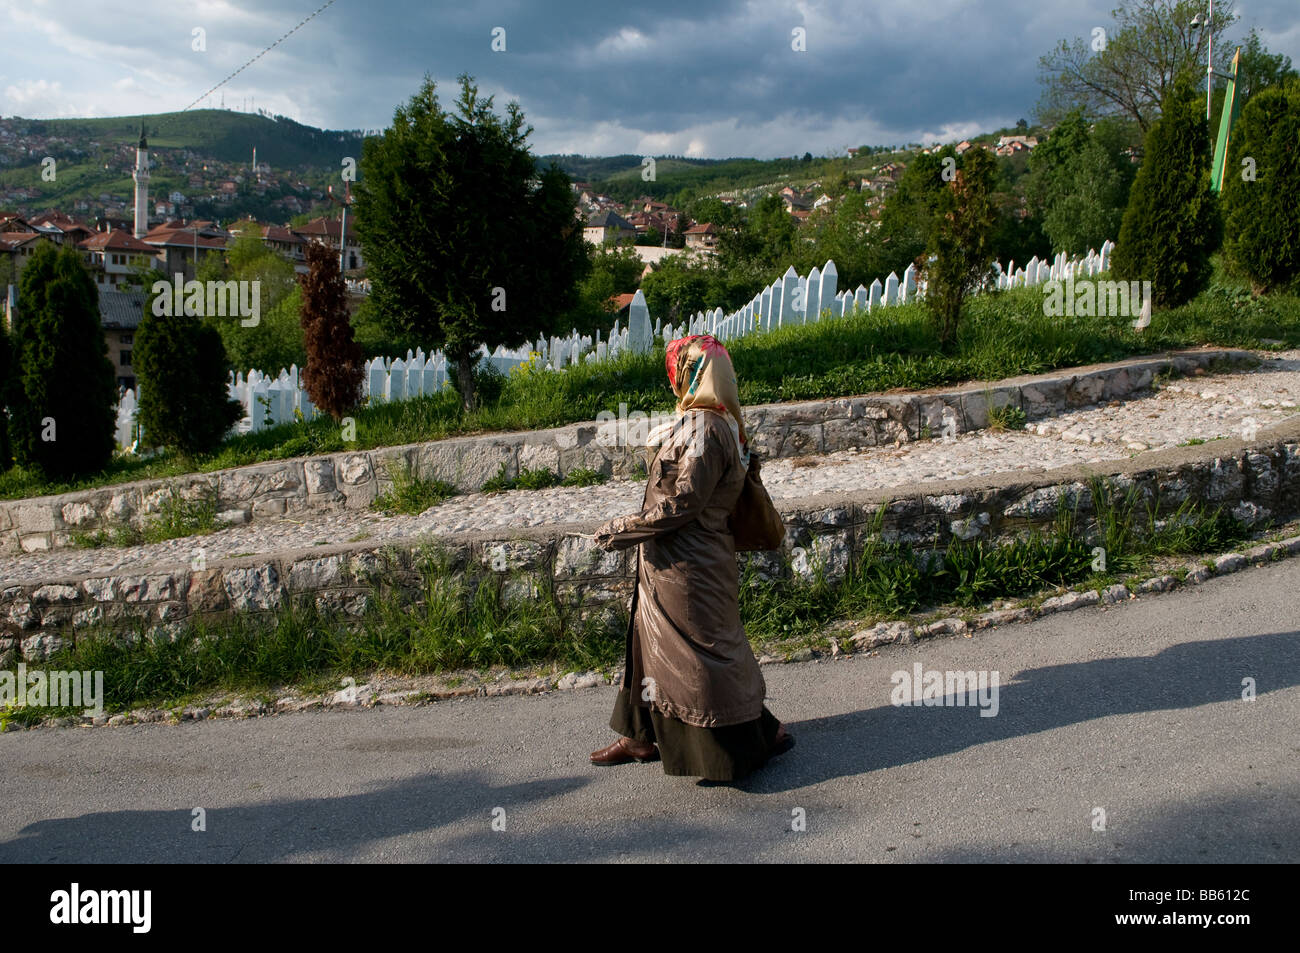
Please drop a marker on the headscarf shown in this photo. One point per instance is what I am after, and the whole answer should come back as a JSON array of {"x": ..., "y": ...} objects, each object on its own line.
[{"x": 701, "y": 375}]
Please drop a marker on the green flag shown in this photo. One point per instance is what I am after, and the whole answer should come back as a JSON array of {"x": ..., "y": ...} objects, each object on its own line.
[{"x": 1225, "y": 125}]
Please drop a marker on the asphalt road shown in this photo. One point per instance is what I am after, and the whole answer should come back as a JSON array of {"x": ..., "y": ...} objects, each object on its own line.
[{"x": 1136, "y": 711}]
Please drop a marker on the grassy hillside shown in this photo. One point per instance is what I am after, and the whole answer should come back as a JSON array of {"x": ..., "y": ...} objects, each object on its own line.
[{"x": 216, "y": 133}]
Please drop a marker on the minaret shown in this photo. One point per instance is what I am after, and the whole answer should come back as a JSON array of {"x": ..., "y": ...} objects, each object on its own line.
[{"x": 141, "y": 176}]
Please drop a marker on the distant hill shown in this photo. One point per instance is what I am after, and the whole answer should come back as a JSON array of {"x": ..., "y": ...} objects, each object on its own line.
[
  {"x": 206, "y": 156},
  {"x": 221, "y": 134},
  {"x": 193, "y": 154}
]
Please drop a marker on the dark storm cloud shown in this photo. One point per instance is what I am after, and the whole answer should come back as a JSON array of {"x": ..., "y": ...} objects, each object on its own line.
[{"x": 700, "y": 78}]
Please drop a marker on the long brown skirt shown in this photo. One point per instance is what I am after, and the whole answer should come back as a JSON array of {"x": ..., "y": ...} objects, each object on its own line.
[
  {"x": 728, "y": 753},
  {"x": 715, "y": 754}
]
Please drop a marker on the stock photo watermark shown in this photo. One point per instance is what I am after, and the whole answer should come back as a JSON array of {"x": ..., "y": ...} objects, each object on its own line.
[
  {"x": 946, "y": 689},
  {"x": 209, "y": 299},
  {"x": 1087, "y": 298},
  {"x": 40, "y": 688},
  {"x": 78, "y": 906}
]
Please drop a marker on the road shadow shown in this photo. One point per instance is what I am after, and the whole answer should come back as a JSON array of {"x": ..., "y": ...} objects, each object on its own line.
[
  {"x": 283, "y": 830},
  {"x": 1182, "y": 676}
]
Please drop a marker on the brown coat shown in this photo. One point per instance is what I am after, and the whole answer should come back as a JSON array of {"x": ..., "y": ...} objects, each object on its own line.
[{"x": 689, "y": 656}]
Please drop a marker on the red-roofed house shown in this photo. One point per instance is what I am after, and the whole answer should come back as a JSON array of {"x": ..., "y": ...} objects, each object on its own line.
[
  {"x": 327, "y": 230},
  {"x": 701, "y": 237},
  {"x": 114, "y": 256},
  {"x": 15, "y": 249},
  {"x": 11, "y": 222},
  {"x": 177, "y": 248}
]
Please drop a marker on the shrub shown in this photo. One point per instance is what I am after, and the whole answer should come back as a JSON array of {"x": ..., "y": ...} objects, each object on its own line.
[
  {"x": 62, "y": 394},
  {"x": 411, "y": 494},
  {"x": 962, "y": 243},
  {"x": 1171, "y": 225},
  {"x": 6, "y": 369},
  {"x": 335, "y": 366},
  {"x": 181, "y": 366},
  {"x": 1261, "y": 224}
]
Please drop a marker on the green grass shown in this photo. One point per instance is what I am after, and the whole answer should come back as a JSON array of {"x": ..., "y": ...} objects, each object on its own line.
[
  {"x": 584, "y": 476},
  {"x": 541, "y": 479},
  {"x": 1003, "y": 334},
  {"x": 1006, "y": 418},
  {"x": 177, "y": 518},
  {"x": 893, "y": 580},
  {"x": 451, "y": 625},
  {"x": 412, "y": 494}
]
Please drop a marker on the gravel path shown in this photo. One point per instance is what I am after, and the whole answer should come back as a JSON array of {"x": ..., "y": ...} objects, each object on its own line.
[{"x": 1200, "y": 408}]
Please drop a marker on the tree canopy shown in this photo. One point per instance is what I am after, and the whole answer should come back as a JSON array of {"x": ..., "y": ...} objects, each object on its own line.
[
  {"x": 466, "y": 241},
  {"x": 1129, "y": 68}
]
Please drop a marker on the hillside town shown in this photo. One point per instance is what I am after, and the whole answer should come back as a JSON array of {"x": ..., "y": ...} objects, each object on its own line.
[
  {"x": 196, "y": 183},
  {"x": 130, "y": 240}
]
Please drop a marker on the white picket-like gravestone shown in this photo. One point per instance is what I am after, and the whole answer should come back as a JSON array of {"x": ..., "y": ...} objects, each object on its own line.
[
  {"x": 812, "y": 301},
  {"x": 385, "y": 378},
  {"x": 829, "y": 280},
  {"x": 126, "y": 409},
  {"x": 397, "y": 381},
  {"x": 789, "y": 288}
]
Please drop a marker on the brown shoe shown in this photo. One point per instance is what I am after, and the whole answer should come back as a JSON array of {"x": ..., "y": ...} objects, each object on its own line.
[
  {"x": 782, "y": 743},
  {"x": 624, "y": 750}
]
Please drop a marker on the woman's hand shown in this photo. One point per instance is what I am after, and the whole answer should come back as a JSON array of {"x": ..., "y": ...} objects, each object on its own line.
[{"x": 606, "y": 532}]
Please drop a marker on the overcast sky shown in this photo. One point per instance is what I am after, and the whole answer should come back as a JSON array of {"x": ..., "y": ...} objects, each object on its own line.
[{"x": 708, "y": 78}]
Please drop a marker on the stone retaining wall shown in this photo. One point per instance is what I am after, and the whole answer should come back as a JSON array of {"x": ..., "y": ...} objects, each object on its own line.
[
  {"x": 272, "y": 490},
  {"x": 1257, "y": 481}
]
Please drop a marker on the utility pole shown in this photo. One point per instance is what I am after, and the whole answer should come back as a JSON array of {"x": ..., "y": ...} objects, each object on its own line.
[{"x": 1209, "y": 74}]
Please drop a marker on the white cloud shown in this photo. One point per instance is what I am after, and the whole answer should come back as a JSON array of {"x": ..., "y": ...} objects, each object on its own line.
[
  {"x": 37, "y": 98},
  {"x": 787, "y": 134}
]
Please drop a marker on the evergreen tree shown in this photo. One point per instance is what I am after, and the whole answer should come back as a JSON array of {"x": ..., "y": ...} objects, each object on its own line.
[
  {"x": 181, "y": 366},
  {"x": 961, "y": 242},
  {"x": 6, "y": 369},
  {"x": 335, "y": 366},
  {"x": 467, "y": 242},
  {"x": 1261, "y": 182},
  {"x": 1172, "y": 224},
  {"x": 908, "y": 216},
  {"x": 63, "y": 393},
  {"x": 1079, "y": 181}
]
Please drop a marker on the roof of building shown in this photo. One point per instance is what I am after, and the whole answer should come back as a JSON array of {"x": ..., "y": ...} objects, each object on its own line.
[
  {"x": 282, "y": 233},
  {"x": 609, "y": 220},
  {"x": 13, "y": 239},
  {"x": 705, "y": 228},
  {"x": 183, "y": 238},
  {"x": 121, "y": 309},
  {"x": 116, "y": 240},
  {"x": 325, "y": 227}
]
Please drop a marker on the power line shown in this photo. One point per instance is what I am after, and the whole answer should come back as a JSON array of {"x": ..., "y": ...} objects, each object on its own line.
[{"x": 325, "y": 6}]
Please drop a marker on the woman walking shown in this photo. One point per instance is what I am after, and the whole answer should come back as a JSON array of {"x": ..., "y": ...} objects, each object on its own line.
[{"x": 692, "y": 691}]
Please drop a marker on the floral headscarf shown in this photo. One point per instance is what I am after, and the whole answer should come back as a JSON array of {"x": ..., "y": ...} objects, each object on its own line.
[{"x": 701, "y": 374}]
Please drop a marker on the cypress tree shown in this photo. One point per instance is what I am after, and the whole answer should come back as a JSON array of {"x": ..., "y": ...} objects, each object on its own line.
[
  {"x": 1260, "y": 189},
  {"x": 63, "y": 395},
  {"x": 181, "y": 365},
  {"x": 961, "y": 243},
  {"x": 1172, "y": 224},
  {"x": 7, "y": 370},
  {"x": 335, "y": 365}
]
